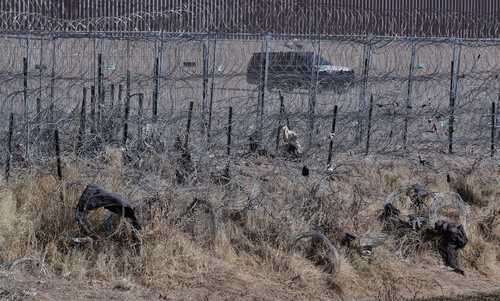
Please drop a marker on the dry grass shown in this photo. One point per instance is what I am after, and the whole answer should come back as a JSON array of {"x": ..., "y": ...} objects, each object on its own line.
[{"x": 250, "y": 257}]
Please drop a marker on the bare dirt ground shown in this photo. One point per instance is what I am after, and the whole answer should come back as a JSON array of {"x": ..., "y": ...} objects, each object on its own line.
[{"x": 21, "y": 285}]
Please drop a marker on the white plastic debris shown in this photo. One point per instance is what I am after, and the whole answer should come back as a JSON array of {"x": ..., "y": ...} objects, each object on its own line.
[{"x": 291, "y": 138}]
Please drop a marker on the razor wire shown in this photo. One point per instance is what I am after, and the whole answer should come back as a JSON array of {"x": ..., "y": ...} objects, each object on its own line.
[
  {"x": 198, "y": 78},
  {"x": 211, "y": 71},
  {"x": 406, "y": 84}
]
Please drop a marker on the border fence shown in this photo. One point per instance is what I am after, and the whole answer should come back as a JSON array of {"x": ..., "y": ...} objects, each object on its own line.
[
  {"x": 156, "y": 76},
  {"x": 157, "y": 91},
  {"x": 136, "y": 99},
  {"x": 444, "y": 18}
]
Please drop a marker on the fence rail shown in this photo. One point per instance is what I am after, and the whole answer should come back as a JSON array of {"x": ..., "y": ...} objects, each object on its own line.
[{"x": 450, "y": 18}]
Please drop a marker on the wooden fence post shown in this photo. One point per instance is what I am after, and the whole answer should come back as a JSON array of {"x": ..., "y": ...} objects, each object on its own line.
[
  {"x": 334, "y": 124},
  {"x": 369, "y": 129},
  {"x": 188, "y": 127}
]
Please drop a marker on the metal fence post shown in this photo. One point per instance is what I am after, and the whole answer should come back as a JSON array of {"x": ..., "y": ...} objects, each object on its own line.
[
  {"x": 119, "y": 120},
  {"x": 332, "y": 133},
  {"x": 40, "y": 69},
  {"x": 451, "y": 110},
  {"x": 58, "y": 154},
  {"x": 127, "y": 98},
  {"x": 263, "y": 86},
  {"x": 26, "y": 106},
  {"x": 38, "y": 119},
  {"x": 9, "y": 147},
  {"x": 455, "y": 67},
  {"x": 313, "y": 89},
  {"x": 498, "y": 115},
  {"x": 126, "y": 114},
  {"x": 156, "y": 90},
  {"x": 229, "y": 130},
  {"x": 100, "y": 94},
  {"x": 205, "y": 85},
  {"x": 52, "y": 83},
  {"x": 112, "y": 96},
  {"x": 140, "y": 114},
  {"x": 493, "y": 128},
  {"x": 83, "y": 120},
  {"x": 188, "y": 127},
  {"x": 369, "y": 128},
  {"x": 92, "y": 111},
  {"x": 282, "y": 112},
  {"x": 210, "y": 106},
  {"x": 408, "y": 106},
  {"x": 120, "y": 99},
  {"x": 59, "y": 162},
  {"x": 364, "y": 86}
]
